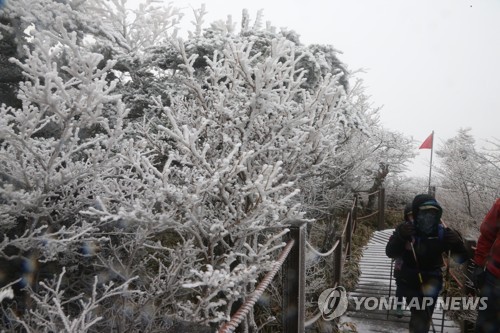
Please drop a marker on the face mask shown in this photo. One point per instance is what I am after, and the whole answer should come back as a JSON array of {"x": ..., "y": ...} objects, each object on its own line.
[{"x": 427, "y": 222}]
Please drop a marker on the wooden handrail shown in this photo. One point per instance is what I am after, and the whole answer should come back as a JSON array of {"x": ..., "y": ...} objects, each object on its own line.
[{"x": 346, "y": 225}]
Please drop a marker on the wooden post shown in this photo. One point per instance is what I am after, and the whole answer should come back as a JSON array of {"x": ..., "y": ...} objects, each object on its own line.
[
  {"x": 294, "y": 275},
  {"x": 355, "y": 213},
  {"x": 381, "y": 209},
  {"x": 470, "y": 245},
  {"x": 348, "y": 236},
  {"x": 337, "y": 262}
]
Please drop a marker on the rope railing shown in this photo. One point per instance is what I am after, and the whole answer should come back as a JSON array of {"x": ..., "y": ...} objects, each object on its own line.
[
  {"x": 380, "y": 211},
  {"x": 313, "y": 320},
  {"x": 342, "y": 246},
  {"x": 317, "y": 315},
  {"x": 242, "y": 312},
  {"x": 347, "y": 231},
  {"x": 292, "y": 262},
  {"x": 369, "y": 194},
  {"x": 367, "y": 216},
  {"x": 326, "y": 254}
]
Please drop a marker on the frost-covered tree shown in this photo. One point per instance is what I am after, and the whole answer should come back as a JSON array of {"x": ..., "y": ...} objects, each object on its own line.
[
  {"x": 490, "y": 156},
  {"x": 149, "y": 178},
  {"x": 464, "y": 175},
  {"x": 56, "y": 149},
  {"x": 223, "y": 159}
]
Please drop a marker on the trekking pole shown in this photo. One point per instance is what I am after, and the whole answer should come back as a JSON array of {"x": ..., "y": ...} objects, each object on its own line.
[
  {"x": 421, "y": 284},
  {"x": 390, "y": 285},
  {"x": 445, "y": 291}
]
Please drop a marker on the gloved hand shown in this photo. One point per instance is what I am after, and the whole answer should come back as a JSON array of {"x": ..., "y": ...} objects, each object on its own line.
[
  {"x": 452, "y": 236},
  {"x": 478, "y": 276},
  {"x": 406, "y": 230}
]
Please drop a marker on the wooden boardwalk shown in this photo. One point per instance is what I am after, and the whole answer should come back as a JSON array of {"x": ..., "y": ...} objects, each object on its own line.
[{"x": 374, "y": 282}]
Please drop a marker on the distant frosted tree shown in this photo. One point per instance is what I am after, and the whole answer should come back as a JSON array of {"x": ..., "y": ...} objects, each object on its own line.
[
  {"x": 490, "y": 156},
  {"x": 466, "y": 176}
]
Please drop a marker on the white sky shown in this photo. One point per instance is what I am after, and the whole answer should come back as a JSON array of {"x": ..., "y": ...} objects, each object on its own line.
[{"x": 430, "y": 64}]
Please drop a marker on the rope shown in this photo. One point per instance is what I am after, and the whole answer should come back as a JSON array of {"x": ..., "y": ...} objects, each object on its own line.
[
  {"x": 367, "y": 216},
  {"x": 373, "y": 193},
  {"x": 312, "y": 320},
  {"x": 326, "y": 254},
  {"x": 237, "y": 318}
]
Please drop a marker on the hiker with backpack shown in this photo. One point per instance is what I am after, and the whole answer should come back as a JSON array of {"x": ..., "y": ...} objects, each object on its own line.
[{"x": 420, "y": 245}]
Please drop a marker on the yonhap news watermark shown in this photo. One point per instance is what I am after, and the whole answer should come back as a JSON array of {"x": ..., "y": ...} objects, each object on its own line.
[
  {"x": 333, "y": 303},
  {"x": 419, "y": 303}
]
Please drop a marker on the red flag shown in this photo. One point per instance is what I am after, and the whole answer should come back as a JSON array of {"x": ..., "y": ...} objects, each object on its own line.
[{"x": 427, "y": 144}]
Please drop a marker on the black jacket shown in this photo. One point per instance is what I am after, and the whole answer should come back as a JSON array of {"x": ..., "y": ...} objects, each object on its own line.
[{"x": 427, "y": 250}]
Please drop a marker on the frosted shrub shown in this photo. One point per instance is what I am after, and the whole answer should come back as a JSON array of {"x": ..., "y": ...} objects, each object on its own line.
[{"x": 148, "y": 179}]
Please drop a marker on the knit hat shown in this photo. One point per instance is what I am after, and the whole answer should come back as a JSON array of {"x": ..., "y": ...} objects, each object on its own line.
[
  {"x": 425, "y": 201},
  {"x": 407, "y": 211}
]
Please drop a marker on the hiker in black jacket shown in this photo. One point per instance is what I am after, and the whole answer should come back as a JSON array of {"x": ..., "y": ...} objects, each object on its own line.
[{"x": 420, "y": 245}]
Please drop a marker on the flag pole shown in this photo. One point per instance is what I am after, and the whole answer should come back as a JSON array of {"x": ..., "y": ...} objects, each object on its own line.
[{"x": 430, "y": 165}]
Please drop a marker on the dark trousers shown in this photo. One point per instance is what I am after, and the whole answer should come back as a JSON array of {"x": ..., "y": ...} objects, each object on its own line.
[
  {"x": 488, "y": 320},
  {"x": 421, "y": 316},
  {"x": 420, "y": 321},
  {"x": 399, "y": 291},
  {"x": 398, "y": 264}
]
